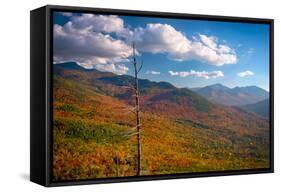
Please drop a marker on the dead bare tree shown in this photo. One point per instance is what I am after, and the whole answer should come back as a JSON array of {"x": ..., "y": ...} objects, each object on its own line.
[
  {"x": 137, "y": 108},
  {"x": 136, "y": 130}
]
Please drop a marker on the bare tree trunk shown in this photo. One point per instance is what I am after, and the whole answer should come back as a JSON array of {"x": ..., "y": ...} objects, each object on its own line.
[
  {"x": 117, "y": 165},
  {"x": 137, "y": 112}
]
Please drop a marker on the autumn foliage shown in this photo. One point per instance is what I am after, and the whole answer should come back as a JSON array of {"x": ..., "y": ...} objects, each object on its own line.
[{"x": 181, "y": 131}]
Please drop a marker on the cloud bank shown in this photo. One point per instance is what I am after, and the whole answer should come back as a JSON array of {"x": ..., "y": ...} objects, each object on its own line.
[
  {"x": 163, "y": 38},
  {"x": 202, "y": 74},
  {"x": 104, "y": 42},
  {"x": 89, "y": 48}
]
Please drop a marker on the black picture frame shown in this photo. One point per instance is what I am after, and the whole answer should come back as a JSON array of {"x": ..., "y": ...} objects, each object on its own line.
[{"x": 41, "y": 93}]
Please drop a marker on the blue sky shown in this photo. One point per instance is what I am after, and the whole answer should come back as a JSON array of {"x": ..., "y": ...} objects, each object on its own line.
[{"x": 245, "y": 63}]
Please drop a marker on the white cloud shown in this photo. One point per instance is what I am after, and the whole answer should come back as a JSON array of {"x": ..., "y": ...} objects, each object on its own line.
[
  {"x": 153, "y": 72},
  {"x": 118, "y": 69},
  {"x": 245, "y": 73},
  {"x": 224, "y": 49},
  {"x": 163, "y": 38},
  {"x": 181, "y": 74},
  {"x": 209, "y": 41},
  {"x": 94, "y": 41},
  {"x": 202, "y": 74},
  {"x": 217, "y": 56},
  {"x": 88, "y": 48},
  {"x": 98, "y": 23}
]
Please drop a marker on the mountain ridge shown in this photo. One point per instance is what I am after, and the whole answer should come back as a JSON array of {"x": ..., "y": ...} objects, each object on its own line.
[
  {"x": 217, "y": 86},
  {"x": 119, "y": 86},
  {"x": 237, "y": 96},
  {"x": 261, "y": 108}
]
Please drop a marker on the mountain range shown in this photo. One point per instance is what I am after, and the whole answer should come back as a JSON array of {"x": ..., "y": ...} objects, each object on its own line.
[
  {"x": 182, "y": 131},
  {"x": 237, "y": 96},
  {"x": 244, "y": 97}
]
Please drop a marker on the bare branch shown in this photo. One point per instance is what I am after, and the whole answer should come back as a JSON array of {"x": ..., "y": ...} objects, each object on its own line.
[
  {"x": 129, "y": 109},
  {"x": 131, "y": 134},
  {"x": 140, "y": 66},
  {"x": 132, "y": 85},
  {"x": 135, "y": 127}
]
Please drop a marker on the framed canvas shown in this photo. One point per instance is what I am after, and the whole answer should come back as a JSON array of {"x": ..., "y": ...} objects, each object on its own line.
[{"x": 123, "y": 95}]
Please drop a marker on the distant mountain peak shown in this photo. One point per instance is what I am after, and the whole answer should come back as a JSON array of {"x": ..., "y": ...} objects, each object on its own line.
[
  {"x": 218, "y": 86},
  {"x": 253, "y": 87},
  {"x": 72, "y": 66}
]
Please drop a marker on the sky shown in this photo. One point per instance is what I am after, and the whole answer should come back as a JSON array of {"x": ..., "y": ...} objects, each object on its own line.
[{"x": 186, "y": 53}]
